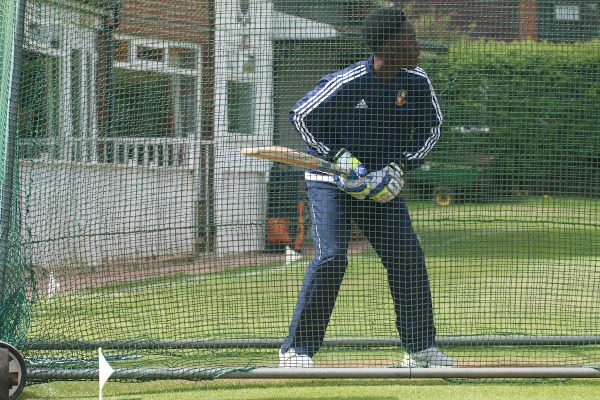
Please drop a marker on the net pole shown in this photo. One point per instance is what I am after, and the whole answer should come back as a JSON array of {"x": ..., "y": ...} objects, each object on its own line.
[
  {"x": 9, "y": 151},
  {"x": 548, "y": 340}
]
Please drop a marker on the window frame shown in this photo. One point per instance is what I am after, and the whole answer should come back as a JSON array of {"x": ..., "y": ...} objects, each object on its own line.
[{"x": 176, "y": 73}]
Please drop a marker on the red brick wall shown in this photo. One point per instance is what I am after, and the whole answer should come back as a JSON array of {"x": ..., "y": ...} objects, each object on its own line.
[
  {"x": 186, "y": 20},
  {"x": 528, "y": 19},
  {"x": 488, "y": 19}
]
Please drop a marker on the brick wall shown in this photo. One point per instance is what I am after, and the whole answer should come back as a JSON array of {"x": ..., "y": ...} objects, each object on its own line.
[
  {"x": 487, "y": 19},
  {"x": 184, "y": 20}
]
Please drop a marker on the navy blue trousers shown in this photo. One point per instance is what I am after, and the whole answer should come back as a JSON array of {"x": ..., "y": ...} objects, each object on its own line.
[{"x": 388, "y": 228}]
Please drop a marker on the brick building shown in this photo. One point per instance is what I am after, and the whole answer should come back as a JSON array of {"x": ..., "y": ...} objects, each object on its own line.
[{"x": 517, "y": 19}]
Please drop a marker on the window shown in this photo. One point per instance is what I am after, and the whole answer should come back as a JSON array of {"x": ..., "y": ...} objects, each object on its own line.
[
  {"x": 57, "y": 91},
  {"x": 76, "y": 92},
  {"x": 240, "y": 107},
  {"x": 152, "y": 104},
  {"x": 156, "y": 92},
  {"x": 143, "y": 104},
  {"x": 566, "y": 12},
  {"x": 150, "y": 53},
  {"x": 39, "y": 95},
  {"x": 39, "y": 103},
  {"x": 44, "y": 36},
  {"x": 186, "y": 120}
]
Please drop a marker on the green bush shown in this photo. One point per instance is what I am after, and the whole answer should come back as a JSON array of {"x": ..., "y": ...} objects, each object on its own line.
[{"x": 541, "y": 103}]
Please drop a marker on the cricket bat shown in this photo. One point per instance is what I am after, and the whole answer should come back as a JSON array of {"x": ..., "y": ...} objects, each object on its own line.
[{"x": 293, "y": 157}]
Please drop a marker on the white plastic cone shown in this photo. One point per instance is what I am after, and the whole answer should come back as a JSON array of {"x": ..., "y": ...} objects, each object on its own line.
[
  {"x": 53, "y": 285},
  {"x": 291, "y": 255},
  {"x": 104, "y": 371}
]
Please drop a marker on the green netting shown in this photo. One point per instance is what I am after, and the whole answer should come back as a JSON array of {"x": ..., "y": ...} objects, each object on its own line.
[
  {"x": 13, "y": 303},
  {"x": 138, "y": 226},
  {"x": 6, "y": 37}
]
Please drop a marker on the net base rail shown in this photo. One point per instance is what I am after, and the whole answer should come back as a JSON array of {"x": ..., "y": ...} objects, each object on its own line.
[{"x": 511, "y": 340}]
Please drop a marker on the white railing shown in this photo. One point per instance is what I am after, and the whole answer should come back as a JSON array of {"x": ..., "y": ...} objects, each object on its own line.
[
  {"x": 137, "y": 152},
  {"x": 155, "y": 152}
]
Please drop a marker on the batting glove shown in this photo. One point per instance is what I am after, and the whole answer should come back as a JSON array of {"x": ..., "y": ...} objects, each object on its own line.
[
  {"x": 355, "y": 183},
  {"x": 386, "y": 183}
]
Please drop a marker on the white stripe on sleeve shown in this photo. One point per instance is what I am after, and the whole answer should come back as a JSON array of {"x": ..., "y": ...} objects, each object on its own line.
[
  {"x": 435, "y": 130},
  {"x": 317, "y": 99}
]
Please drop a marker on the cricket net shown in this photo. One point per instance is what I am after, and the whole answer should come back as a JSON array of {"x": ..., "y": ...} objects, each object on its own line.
[{"x": 131, "y": 222}]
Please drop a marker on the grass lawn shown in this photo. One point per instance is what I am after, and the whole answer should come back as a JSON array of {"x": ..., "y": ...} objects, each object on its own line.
[
  {"x": 522, "y": 268},
  {"x": 578, "y": 389}
]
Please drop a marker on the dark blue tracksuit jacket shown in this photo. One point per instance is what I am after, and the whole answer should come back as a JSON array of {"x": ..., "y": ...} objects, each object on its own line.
[{"x": 378, "y": 122}]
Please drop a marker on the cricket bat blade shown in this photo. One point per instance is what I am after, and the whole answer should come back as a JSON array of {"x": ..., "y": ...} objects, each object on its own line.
[{"x": 292, "y": 157}]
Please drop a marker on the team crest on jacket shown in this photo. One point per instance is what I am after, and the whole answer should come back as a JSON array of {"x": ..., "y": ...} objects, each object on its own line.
[{"x": 401, "y": 96}]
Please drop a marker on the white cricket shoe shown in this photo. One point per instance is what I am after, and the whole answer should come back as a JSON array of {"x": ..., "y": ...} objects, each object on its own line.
[
  {"x": 291, "y": 359},
  {"x": 431, "y": 357}
]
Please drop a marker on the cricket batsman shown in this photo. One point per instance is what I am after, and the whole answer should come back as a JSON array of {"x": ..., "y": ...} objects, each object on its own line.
[{"x": 378, "y": 118}]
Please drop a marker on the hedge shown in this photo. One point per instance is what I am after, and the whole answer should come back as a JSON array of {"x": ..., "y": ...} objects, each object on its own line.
[{"x": 539, "y": 103}]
